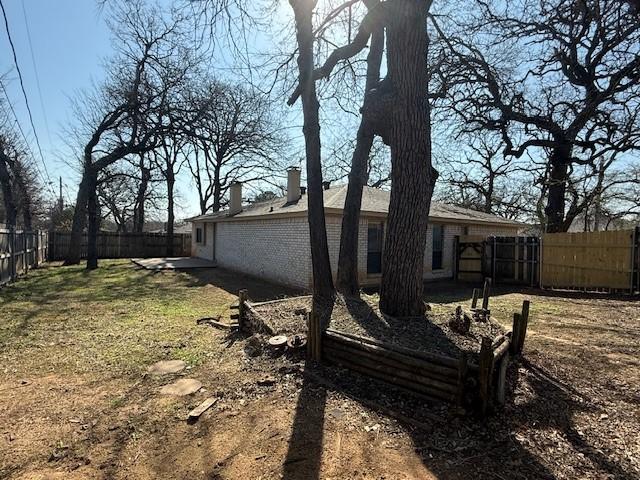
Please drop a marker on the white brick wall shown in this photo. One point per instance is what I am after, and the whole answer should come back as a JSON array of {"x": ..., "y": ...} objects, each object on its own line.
[
  {"x": 278, "y": 249},
  {"x": 275, "y": 249}
]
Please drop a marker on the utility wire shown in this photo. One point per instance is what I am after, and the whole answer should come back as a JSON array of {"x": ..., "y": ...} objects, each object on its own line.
[
  {"x": 24, "y": 137},
  {"x": 35, "y": 71},
  {"x": 24, "y": 92}
]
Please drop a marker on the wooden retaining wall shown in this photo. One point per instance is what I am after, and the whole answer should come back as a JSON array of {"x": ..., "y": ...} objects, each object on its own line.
[{"x": 428, "y": 375}]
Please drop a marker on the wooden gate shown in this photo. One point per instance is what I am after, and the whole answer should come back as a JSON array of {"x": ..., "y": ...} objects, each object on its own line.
[
  {"x": 591, "y": 260},
  {"x": 506, "y": 260}
]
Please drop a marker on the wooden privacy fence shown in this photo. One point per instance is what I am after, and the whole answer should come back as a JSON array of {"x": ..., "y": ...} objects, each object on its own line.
[
  {"x": 20, "y": 251},
  {"x": 596, "y": 261},
  {"x": 122, "y": 245},
  {"x": 591, "y": 260}
]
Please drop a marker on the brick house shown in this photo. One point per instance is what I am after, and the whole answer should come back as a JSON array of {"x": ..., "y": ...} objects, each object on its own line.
[{"x": 271, "y": 239}]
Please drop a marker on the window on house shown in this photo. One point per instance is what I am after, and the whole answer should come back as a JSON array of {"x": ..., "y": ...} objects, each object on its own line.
[
  {"x": 437, "y": 247},
  {"x": 374, "y": 247},
  {"x": 198, "y": 234}
]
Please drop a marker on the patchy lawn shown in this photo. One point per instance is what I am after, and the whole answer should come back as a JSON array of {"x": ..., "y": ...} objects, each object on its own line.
[{"x": 76, "y": 401}]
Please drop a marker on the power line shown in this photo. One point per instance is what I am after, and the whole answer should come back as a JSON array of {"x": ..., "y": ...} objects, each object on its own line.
[
  {"x": 24, "y": 92},
  {"x": 24, "y": 137},
  {"x": 35, "y": 71}
]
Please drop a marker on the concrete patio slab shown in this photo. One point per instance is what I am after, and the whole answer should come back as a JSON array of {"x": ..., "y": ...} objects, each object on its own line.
[{"x": 173, "y": 263}]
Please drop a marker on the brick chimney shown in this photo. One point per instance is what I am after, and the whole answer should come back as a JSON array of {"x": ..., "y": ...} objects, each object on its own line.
[
  {"x": 293, "y": 184},
  {"x": 235, "y": 198}
]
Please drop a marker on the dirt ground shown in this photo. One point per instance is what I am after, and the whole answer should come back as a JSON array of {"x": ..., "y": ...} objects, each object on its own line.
[{"x": 77, "y": 403}]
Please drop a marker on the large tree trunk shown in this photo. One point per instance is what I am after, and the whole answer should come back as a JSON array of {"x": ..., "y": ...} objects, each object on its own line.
[
  {"x": 321, "y": 266},
  {"x": 347, "y": 277},
  {"x": 93, "y": 221},
  {"x": 558, "y": 177},
  {"x": 141, "y": 195},
  {"x": 408, "y": 133},
  {"x": 7, "y": 192},
  {"x": 170, "y": 213},
  {"x": 79, "y": 221}
]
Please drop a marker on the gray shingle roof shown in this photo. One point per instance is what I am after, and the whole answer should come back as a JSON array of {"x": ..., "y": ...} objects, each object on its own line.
[{"x": 374, "y": 201}]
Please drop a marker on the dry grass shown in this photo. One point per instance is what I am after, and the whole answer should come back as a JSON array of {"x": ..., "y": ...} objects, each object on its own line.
[
  {"x": 117, "y": 318},
  {"x": 74, "y": 346}
]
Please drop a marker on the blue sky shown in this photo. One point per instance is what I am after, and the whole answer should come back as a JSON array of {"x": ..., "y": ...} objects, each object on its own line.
[{"x": 69, "y": 40}]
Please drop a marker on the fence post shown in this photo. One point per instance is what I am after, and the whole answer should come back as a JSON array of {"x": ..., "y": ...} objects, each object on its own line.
[
  {"x": 52, "y": 246},
  {"x": 493, "y": 260},
  {"x": 12, "y": 252},
  {"x": 485, "y": 293},
  {"x": 485, "y": 368},
  {"x": 635, "y": 261},
  {"x": 474, "y": 299},
  {"x": 25, "y": 252},
  {"x": 36, "y": 241}
]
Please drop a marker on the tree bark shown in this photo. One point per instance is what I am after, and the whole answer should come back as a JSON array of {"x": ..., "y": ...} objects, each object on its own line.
[
  {"x": 79, "y": 220},
  {"x": 408, "y": 134},
  {"x": 322, "y": 280},
  {"x": 558, "y": 177},
  {"x": 141, "y": 194},
  {"x": 347, "y": 277},
  {"x": 93, "y": 221},
  {"x": 170, "y": 213}
]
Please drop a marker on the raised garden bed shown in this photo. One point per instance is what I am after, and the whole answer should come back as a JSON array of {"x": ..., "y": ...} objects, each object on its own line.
[{"x": 425, "y": 356}]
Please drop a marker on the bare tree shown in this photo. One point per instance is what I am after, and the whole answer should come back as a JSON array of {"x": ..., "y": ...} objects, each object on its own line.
[
  {"x": 347, "y": 276},
  {"x": 234, "y": 136},
  {"x": 6, "y": 183},
  {"x": 124, "y": 116},
  {"x": 322, "y": 279},
  {"x": 169, "y": 158},
  {"x": 575, "y": 97}
]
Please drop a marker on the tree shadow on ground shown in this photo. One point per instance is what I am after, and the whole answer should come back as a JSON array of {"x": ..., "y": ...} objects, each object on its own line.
[
  {"x": 304, "y": 452},
  {"x": 404, "y": 332},
  {"x": 259, "y": 289},
  {"x": 464, "y": 447},
  {"x": 533, "y": 436}
]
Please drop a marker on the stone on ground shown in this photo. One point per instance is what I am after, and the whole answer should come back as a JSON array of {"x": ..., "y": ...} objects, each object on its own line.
[
  {"x": 164, "y": 367},
  {"x": 184, "y": 386}
]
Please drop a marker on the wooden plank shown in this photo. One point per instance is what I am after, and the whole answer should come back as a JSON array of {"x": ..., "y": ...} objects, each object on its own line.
[
  {"x": 587, "y": 260},
  {"x": 200, "y": 409}
]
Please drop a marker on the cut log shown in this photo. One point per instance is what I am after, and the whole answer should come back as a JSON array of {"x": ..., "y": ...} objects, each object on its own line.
[
  {"x": 420, "y": 381},
  {"x": 448, "y": 384},
  {"x": 436, "y": 372},
  {"x": 411, "y": 386}
]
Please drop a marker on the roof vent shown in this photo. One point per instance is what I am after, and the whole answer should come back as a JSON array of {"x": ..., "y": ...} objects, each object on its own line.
[
  {"x": 326, "y": 185},
  {"x": 303, "y": 190}
]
